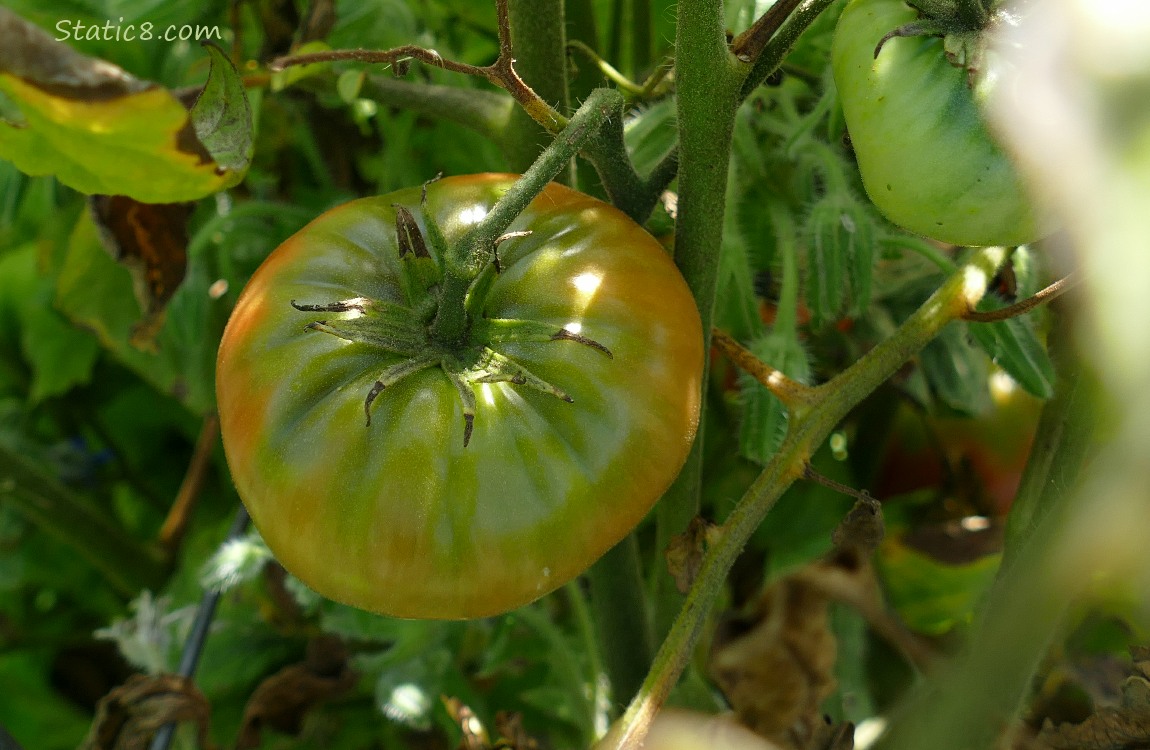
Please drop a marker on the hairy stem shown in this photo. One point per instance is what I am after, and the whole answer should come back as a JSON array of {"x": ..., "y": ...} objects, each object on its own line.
[
  {"x": 708, "y": 78},
  {"x": 539, "y": 39},
  {"x": 468, "y": 257},
  {"x": 621, "y": 616},
  {"x": 805, "y": 433}
]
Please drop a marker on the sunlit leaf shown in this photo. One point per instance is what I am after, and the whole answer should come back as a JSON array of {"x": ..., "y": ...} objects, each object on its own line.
[{"x": 94, "y": 126}]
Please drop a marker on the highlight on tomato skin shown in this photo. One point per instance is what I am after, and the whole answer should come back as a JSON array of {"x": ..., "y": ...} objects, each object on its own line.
[{"x": 399, "y": 516}]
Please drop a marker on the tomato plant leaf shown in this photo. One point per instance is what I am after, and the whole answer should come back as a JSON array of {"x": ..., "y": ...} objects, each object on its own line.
[
  {"x": 150, "y": 240},
  {"x": 222, "y": 117},
  {"x": 1014, "y": 346},
  {"x": 94, "y": 126},
  {"x": 764, "y": 416},
  {"x": 96, "y": 293},
  {"x": 60, "y": 355},
  {"x": 929, "y": 595},
  {"x": 956, "y": 371}
]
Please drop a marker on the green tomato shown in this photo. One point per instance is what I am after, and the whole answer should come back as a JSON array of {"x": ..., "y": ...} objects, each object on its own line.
[
  {"x": 926, "y": 157},
  {"x": 424, "y": 509}
]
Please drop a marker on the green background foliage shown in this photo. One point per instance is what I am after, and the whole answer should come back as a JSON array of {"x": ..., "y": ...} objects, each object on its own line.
[{"x": 808, "y": 276}]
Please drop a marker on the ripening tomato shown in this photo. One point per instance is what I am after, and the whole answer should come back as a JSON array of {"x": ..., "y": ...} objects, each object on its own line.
[
  {"x": 416, "y": 477},
  {"x": 925, "y": 154}
]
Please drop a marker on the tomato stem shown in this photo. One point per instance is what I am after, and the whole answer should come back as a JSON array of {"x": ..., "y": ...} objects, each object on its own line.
[
  {"x": 475, "y": 250},
  {"x": 834, "y": 399}
]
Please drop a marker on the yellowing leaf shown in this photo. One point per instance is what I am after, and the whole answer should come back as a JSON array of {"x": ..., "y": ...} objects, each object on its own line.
[{"x": 94, "y": 126}]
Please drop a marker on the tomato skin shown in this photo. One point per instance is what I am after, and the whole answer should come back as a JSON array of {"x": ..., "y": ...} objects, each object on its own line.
[
  {"x": 926, "y": 157},
  {"x": 401, "y": 518}
]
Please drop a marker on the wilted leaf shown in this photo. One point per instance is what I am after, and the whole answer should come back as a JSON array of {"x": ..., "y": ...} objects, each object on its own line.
[
  {"x": 282, "y": 701},
  {"x": 474, "y": 734},
  {"x": 129, "y": 716},
  {"x": 685, "y": 552},
  {"x": 775, "y": 664},
  {"x": 1122, "y": 727},
  {"x": 94, "y": 126},
  {"x": 862, "y": 529},
  {"x": 150, "y": 240}
]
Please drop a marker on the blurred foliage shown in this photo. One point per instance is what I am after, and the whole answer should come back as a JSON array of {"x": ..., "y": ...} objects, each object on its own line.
[{"x": 811, "y": 277}]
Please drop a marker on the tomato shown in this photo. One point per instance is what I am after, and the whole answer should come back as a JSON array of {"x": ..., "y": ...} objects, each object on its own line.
[
  {"x": 420, "y": 509},
  {"x": 926, "y": 157}
]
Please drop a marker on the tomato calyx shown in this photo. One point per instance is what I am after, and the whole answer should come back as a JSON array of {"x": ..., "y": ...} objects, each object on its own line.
[
  {"x": 961, "y": 24},
  {"x": 409, "y": 331}
]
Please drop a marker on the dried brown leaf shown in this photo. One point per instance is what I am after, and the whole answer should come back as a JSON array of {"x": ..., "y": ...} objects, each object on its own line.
[
  {"x": 282, "y": 700},
  {"x": 1122, "y": 727},
  {"x": 685, "y": 552},
  {"x": 128, "y": 716}
]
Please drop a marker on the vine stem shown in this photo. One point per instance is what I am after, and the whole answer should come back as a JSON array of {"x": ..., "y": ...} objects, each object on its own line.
[
  {"x": 833, "y": 400},
  {"x": 500, "y": 73},
  {"x": 1026, "y": 305},
  {"x": 468, "y": 257}
]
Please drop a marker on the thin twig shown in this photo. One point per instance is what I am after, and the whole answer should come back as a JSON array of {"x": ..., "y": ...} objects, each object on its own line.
[
  {"x": 791, "y": 392},
  {"x": 813, "y": 475},
  {"x": 500, "y": 73},
  {"x": 176, "y": 524},
  {"x": 751, "y": 43},
  {"x": 1023, "y": 306}
]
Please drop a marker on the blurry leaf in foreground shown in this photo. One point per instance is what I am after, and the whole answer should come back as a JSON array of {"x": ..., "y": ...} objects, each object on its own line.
[
  {"x": 128, "y": 717},
  {"x": 150, "y": 240},
  {"x": 94, "y": 126},
  {"x": 1112, "y": 728}
]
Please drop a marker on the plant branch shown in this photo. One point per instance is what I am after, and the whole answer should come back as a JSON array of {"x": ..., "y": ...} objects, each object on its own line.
[
  {"x": 751, "y": 43},
  {"x": 485, "y": 112},
  {"x": 176, "y": 524},
  {"x": 708, "y": 80},
  {"x": 500, "y": 73},
  {"x": 467, "y": 258},
  {"x": 780, "y": 43},
  {"x": 835, "y": 399},
  {"x": 1024, "y": 306},
  {"x": 792, "y": 393}
]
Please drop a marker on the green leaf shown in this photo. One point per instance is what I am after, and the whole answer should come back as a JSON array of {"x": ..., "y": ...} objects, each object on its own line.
[
  {"x": 94, "y": 126},
  {"x": 96, "y": 293},
  {"x": 828, "y": 247},
  {"x": 222, "y": 118},
  {"x": 956, "y": 371},
  {"x": 35, "y": 714},
  {"x": 1014, "y": 346},
  {"x": 931, "y": 596},
  {"x": 60, "y": 355},
  {"x": 764, "y": 416},
  {"x": 840, "y": 239}
]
